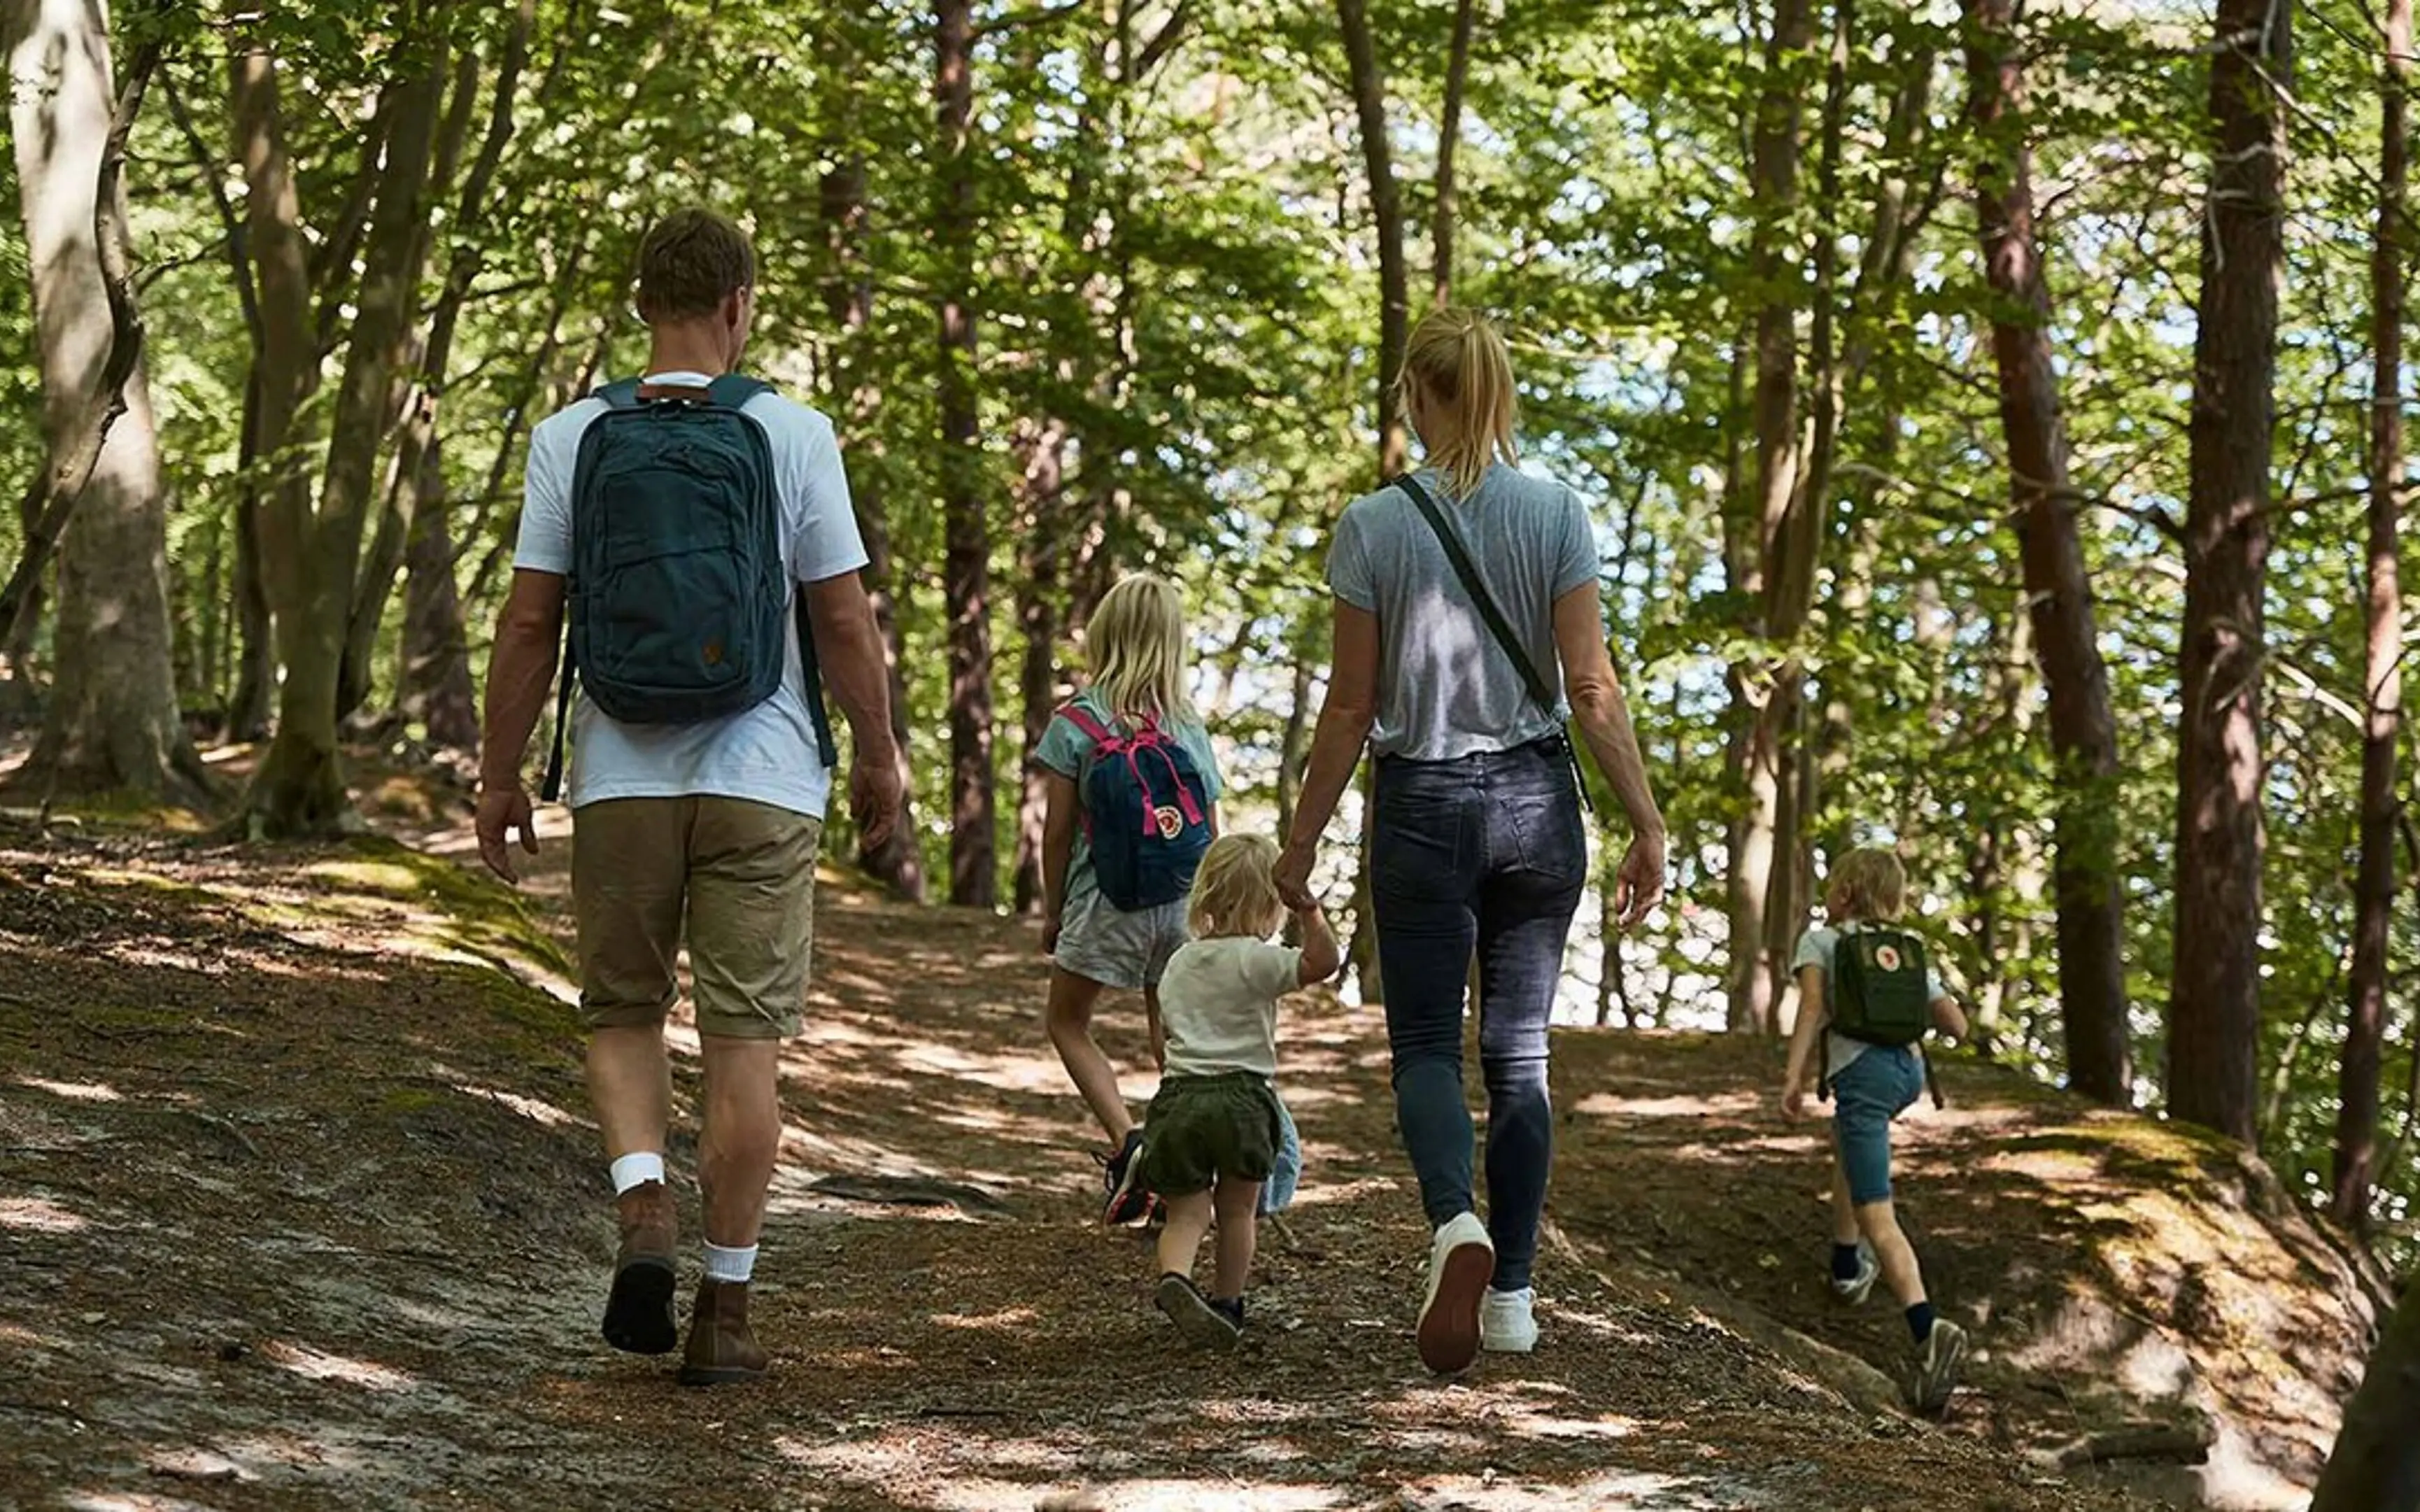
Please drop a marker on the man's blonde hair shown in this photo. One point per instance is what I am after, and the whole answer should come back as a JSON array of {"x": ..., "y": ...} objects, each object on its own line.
[
  {"x": 1869, "y": 885},
  {"x": 1459, "y": 363},
  {"x": 1235, "y": 889},
  {"x": 1134, "y": 647}
]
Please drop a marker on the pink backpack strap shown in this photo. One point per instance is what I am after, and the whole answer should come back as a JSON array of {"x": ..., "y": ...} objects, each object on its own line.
[{"x": 1094, "y": 729}]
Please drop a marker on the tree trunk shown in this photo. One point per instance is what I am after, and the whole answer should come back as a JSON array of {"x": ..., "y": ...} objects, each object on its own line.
[
  {"x": 313, "y": 554},
  {"x": 1387, "y": 210},
  {"x": 898, "y": 864},
  {"x": 438, "y": 697},
  {"x": 1766, "y": 710},
  {"x": 2376, "y": 1463},
  {"x": 1037, "y": 614},
  {"x": 2214, "y": 995},
  {"x": 113, "y": 721},
  {"x": 974, "y": 844},
  {"x": 1457, "y": 76},
  {"x": 2356, "y": 1151},
  {"x": 2083, "y": 729}
]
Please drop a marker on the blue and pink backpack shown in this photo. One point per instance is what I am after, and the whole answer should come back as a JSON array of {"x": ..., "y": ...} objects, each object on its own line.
[{"x": 1147, "y": 811}]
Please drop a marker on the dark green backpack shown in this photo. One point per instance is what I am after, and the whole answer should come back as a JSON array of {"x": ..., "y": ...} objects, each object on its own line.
[
  {"x": 680, "y": 604},
  {"x": 1881, "y": 988}
]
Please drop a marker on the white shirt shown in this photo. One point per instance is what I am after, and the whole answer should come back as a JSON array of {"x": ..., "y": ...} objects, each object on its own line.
[
  {"x": 1218, "y": 1001},
  {"x": 766, "y": 753}
]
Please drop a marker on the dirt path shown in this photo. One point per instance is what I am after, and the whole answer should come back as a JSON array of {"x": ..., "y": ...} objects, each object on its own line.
[{"x": 300, "y": 1206}]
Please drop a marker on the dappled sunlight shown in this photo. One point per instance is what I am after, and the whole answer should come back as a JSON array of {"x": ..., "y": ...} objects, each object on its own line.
[
  {"x": 316, "y": 1364},
  {"x": 1721, "y": 1105},
  {"x": 74, "y": 1091},
  {"x": 39, "y": 1215},
  {"x": 1006, "y": 1320}
]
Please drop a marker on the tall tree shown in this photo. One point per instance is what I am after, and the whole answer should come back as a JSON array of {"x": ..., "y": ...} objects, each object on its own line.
[
  {"x": 312, "y": 548},
  {"x": 2214, "y": 992},
  {"x": 2083, "y": 728},
  {"x": 966, "y": 572},
  {"x": 2375, "y": 1466},
  {"x": 2356, "y": 1151},
  {"x": 113, "y": 721},
  {"x": 1765, "y": 692},
  {"x": 1457, "y": 78}
]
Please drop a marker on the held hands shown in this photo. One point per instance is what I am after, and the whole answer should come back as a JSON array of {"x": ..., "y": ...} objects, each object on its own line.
[
  {"x": 1293, "y": 876},
  {"x": 1638, "y": 886},
  {"x": 503, "y": 809},
  {"x": 876, "y": 797}
]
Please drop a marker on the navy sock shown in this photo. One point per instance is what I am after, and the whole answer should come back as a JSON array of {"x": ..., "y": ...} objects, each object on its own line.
[
  {"x": 1920, "y": 1322},
  {"x": 1844, "y": 1262}
]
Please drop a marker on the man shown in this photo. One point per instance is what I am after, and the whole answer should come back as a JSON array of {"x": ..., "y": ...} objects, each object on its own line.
[{"x": 715, "y": 820}]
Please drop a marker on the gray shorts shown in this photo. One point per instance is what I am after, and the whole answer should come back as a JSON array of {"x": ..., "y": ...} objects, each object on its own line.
[{"x": 1102, "y": 941}]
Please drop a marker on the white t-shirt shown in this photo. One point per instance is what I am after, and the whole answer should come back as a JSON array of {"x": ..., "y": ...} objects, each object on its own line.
[
  {"x": 1820, "y": 948},
  {"x": 766, "y": 753},
  {"x": 1219, "y": 1002}
]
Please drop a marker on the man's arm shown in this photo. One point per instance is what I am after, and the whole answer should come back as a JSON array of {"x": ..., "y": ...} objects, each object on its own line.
[
  {"x": 521, "y": 674},
  {"x": 849, "y": 655}
]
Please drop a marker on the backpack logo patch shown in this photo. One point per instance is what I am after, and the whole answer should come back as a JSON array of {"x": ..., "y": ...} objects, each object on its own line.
[{"x": 1887, "y": 958}]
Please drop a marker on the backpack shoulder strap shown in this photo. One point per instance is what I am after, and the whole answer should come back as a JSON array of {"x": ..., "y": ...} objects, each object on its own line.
[
  {"x": 1074, "y": 714},
  {"x": 1473, "y": 585},
  {"x": 733, "y": 390},
  {"x": 622, "y": 395}
]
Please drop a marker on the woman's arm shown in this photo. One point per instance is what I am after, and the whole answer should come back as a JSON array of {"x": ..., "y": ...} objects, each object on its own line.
[
  {"x": 1801, "y": 1038},
  {"x": 1058, "y": 844},
  {"x": 1344, "y": 720},
  {"x": 1604, "y": 719}
]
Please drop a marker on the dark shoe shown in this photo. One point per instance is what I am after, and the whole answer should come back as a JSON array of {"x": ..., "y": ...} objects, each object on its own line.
[
  {"x": 1121, "y": 1179},
  {"x": 1936, "y": 1367},
  {"x": 1196, "y": 1316},
  {"x": 720, "y": 1347},
  {"x": 639, "y": 1310}
]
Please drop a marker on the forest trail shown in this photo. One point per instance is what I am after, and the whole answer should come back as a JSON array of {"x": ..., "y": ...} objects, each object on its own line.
[{"x": 300, "y": 1206}]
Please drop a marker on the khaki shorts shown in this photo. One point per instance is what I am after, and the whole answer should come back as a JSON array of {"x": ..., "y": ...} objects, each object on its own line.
[{"x": 744, "y": 874}]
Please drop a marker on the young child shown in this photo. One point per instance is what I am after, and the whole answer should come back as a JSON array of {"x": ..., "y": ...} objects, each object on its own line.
[
  {"x": 1216, "y": 1126},
  {"x": 1135, "y": 648},
  {"x": 1870, "y": 1085}
]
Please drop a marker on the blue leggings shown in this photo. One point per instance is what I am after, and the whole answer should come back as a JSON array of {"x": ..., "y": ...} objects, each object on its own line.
[{"x": 1487, "y": 852}]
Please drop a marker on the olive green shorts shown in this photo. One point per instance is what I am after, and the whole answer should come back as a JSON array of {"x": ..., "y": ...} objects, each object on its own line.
[
  {"x": 738, "y": 878},
  {"x": 1202, "y": 1128}
]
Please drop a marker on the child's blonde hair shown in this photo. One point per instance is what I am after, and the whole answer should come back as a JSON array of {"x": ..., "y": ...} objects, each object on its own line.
[
  {"x": 1134, "y": 647},
  {"x": 1458, "y": 361},
  {"x": 1868, "y": 885},
  {"x": 1235, "y": 889}
]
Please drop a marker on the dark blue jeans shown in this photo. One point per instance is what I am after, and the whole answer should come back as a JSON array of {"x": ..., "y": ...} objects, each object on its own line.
[{"x": 1485, "y": 853}]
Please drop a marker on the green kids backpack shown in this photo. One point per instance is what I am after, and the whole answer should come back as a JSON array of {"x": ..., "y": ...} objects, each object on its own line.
[{"x": 1881, "y": 988}]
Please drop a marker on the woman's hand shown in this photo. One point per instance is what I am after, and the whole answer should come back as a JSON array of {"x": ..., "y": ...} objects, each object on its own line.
[
  {"x": 1638, "y": 886},
  {"x": 1293, "y": 875},
  {"x": 1793, "y": 1102}
]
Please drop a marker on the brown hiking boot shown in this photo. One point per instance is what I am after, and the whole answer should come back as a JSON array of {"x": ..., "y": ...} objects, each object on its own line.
[
  {"x": 720, "y": 1347},
  {"x": 639, "y": 1311}
]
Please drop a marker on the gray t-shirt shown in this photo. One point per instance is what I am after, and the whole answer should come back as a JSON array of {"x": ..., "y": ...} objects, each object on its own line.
[
  {"x": 1445, "y": 689},
  {"x": 1820, "y": 948},
  {"x": 1066, "y": 750}
]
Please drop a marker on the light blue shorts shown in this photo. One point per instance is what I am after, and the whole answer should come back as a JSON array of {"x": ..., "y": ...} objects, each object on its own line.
[
  {"x": 1101, "y": 941},
  {"x": 1866, "y": 1094}
]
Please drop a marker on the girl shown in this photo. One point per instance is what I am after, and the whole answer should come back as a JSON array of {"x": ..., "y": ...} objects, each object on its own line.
[
  {"x": 1468, "y": 631},
  {"x": 1216, "y": 1126},
  {"x": 1871, "y": 1084},
  {"x": 1135, "y": 649}
]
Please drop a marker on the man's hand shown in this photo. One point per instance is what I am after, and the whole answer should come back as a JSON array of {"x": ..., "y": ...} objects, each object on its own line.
[
  {"x": 504, "y": 809},
  {"x": 1793, "y": 1102},
  {"x": 876, "y": 797},
  {"x": 1293, "y": 876},
  {"x": 1638, "y": 886}
]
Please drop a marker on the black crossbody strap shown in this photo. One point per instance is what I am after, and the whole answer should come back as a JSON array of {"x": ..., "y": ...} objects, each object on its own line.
[{"x": 1475, "y": 586}]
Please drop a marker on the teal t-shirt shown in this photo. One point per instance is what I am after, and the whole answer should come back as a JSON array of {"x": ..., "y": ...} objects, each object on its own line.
[{"x": 1065, "y": 749}]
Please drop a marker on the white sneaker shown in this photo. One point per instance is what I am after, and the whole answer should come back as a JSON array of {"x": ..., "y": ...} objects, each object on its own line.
[
  {"x": 1506, "y": 1322},
  {"x": 1462, "y": 1258},
  {"x": 1856, "y": 1288}
]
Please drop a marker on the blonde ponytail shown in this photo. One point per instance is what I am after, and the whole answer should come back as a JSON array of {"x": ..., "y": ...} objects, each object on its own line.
[{"x": 1457, "y": 362}]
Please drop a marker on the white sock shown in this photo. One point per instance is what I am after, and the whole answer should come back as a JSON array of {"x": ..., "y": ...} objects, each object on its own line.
[
  {"x": 730, "y": 1265},
  {"x": 637, "y": 1170}
]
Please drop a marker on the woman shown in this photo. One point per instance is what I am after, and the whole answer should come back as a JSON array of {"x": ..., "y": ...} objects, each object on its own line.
[{"x": 1476, "y": 839}]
